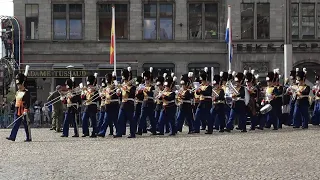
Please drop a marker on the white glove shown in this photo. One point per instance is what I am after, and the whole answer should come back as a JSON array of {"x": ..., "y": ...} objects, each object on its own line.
[
  {"x": 262, "y": 103},
  {"x": 118, "y": 91},
  {"x": 115, "y": 82},
  {"x": 176, "y": 91},
  {"x": 80, "y": 85},
  {"x": 160, "y": 94},
  {"x": 25, "y": 113},
  {"x": 61, "y": 98}
]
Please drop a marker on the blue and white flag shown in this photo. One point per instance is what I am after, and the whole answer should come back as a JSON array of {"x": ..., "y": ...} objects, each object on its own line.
[{"x": 228, "y": 39}]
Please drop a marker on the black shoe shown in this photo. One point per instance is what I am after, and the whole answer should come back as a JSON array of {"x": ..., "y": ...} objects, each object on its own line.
[
  {"x": 203, "y": 128},
  {"x": 85, "y": 135},
  {"x": 161, "y": 134},
  {"x": 227, "y": 130},
  {"x": 190, "y": 132},
  {"x": 63, "y": 136},
  {"x": 139, "y": 133},
  {"x": 117, "y": 136},
  {"x": 209, "y": 132},
  {"x": 252, "y": 129},
  {"x": 304, "y": 127},
  {"x": 243, "y": 131},
  {"x": 145, "y": 131},
  {"x": 93, "y": 136},
  {"x": 260, "y": 128},
  {"x": 295, "y": 127},
  {"x": 59, "y": 131},
  {"x": 237, "y": 128},
  {"x": 100, "y": 135},
  {"x": 131, "y": 136},
  {"x": 27, "y": 140},
  {"x": 111, "y": 134},
  {"x": 172, "y": 134},
  {"x": 275, "y": 129},
  {"x": 52, "y": 129},
  {"x": 76, "y": 135},
  {"x": 221, "y": 131},
  {"x": 10, "y": 139},
  {"x": 196, "y": 132}
]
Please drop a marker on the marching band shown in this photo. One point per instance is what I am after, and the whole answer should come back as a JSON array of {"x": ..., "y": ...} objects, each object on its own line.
[{"x": 169, "y": 104}]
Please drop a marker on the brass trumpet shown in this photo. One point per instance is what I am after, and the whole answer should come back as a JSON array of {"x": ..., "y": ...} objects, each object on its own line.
[{"x": 231, "y": 88}]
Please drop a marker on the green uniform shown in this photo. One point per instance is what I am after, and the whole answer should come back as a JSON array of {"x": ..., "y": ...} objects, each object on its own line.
[{"x": 57, "y": 111}]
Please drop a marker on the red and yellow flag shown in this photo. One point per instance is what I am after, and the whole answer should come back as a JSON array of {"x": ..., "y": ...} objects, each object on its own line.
[{"x": 113, "y": 39}]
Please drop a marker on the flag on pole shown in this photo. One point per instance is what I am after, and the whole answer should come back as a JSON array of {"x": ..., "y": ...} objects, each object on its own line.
[
  {"x": 228, "y": 39},
  {"x": 113, "y": 39}
]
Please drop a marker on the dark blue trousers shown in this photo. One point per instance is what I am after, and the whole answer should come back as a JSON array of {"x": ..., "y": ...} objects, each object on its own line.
[
  {"x": 203, "y": 114},
  {"x": 292, "y": 104},
  {"x": 301, "y": 113},
  {"x": 168, "y": 115},
  {"x": 278, "y": 113},
  {"x": 316, "y": 113},
  {"x": 69, "y": 117},
  {"x": 147, "y": 112},
  {"x": 185, "y": 113},
  {"x": 241, "y": 114},
  {"x": 157, "y": 117},
  {"x": 218, "y": 116},
  {"x": 137, "y": 114},
  {"x": 101, "y": 118},
  {"x": 125, "y": 115},
  {"x": 16, "y": 126},
  {"x": 227, "y": 110},
  {"x": 85, "y": 122},
  {"x": 110, "y": 118},
  {"x": 272, "y": 119}
]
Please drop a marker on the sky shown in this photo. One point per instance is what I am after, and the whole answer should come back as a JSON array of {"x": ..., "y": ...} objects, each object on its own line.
[{"x": 6, "y": 8}]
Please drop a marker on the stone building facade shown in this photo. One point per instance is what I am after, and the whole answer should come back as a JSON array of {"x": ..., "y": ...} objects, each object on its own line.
[{"x": 174, "y": 36}]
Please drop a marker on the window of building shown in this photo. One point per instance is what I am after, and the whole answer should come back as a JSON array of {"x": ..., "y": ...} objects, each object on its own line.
[
  {"x": 32, "y": 20},
  {"x": 197, "y": 67},
  {"x": 67, "y": 27},
  {"x": 159, "y": 68},
  {"x": 158, "y": 21},
  {"x": 75, "y": 21},
  {"x": 203, "y": 21},
  {"x": 247, "y": 20},
  {"x": 59, "y": 21},
  {"x": 295, "y": 20},
  {"x": 105, "y": 21},
  {"x": 263, "y": 20},
  {"x": 308, "y": 21}
]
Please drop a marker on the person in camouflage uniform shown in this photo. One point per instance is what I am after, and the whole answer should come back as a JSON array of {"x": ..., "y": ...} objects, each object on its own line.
[{"x": 57, "y": 114}]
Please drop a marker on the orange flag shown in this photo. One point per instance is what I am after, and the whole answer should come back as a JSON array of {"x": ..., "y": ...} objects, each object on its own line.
[{"x": 113, "y": 38}]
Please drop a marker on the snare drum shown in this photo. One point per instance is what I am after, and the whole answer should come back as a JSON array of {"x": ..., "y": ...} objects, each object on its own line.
[{"x": 265, "y": 109}]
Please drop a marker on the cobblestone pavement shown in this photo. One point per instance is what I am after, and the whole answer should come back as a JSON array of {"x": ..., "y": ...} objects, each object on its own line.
[{"x": 283, "y": 154}]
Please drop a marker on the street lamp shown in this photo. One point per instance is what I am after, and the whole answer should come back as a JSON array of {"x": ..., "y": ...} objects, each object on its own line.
[{"x": 70, "y": 68}]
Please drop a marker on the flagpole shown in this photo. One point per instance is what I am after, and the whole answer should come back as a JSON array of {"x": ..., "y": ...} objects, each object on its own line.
[
  {"x": 114, "y": 39},
  {"x": 230, "y": 37}
]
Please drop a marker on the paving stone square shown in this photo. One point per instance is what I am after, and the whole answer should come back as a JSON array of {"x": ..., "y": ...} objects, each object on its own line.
[{"x": 268, "y": 154}]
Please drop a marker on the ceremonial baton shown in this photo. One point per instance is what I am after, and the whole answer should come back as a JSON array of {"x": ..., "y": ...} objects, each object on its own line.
[{"x": 15, "y": 120}]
